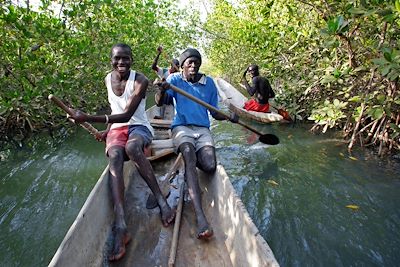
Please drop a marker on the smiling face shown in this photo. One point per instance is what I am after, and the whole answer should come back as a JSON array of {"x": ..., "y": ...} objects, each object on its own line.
[
  {"x": 121, "y": 59},
  {"x": 191, "y": 67}
]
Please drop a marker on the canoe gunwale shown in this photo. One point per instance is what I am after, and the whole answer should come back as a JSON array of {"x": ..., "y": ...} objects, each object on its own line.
[
  {"x": 85, "y": 241},
  {"x": 62, "y": 255},
  {"x": 236, "y": 224},
  {"x": 231, "y": 101}
]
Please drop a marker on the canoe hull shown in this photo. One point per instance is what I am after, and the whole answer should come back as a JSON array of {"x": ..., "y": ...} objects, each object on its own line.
[
  {"x": 236, "y": 240},
  {"x": 235, "y": 100}
]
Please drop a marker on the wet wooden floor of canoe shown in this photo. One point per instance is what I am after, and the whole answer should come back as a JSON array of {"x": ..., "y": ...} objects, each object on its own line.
[{"x": 150, "y": 244}]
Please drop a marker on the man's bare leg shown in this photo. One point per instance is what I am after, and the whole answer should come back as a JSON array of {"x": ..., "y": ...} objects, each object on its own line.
[
  {"x": 116, "y": 181},
  {"x": 135, "y": 152},
  {"x": 204, "y": 231}
]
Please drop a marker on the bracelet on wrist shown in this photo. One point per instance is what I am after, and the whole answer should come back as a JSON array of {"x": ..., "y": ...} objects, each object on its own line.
[{"x": 106, "y": 118}]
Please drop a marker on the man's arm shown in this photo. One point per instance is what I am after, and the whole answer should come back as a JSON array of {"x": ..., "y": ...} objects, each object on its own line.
[
  {"x": 250, "y": 89},
  {"x": 219, "y": 116},
  {"x": 155, "y": 61},
  {"x": 160, "y": 95},
  {"x": 140, "y": 87},
  {"x": 271, "y": 93}
]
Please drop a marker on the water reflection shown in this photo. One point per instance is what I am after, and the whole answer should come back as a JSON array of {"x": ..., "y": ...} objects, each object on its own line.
[
  {"x": 42, "y": 190},
  {"x": 303, "y": 216}
]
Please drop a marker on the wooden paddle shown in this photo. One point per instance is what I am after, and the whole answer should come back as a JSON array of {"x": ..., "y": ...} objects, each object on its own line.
[
  {"x": 269, "y": 139},
  {"x": 87, "y": 126},
  {"x": 151, "y": 202},
  {"x": 175, "y": 234},
  {"x": 281, "y": 111}
]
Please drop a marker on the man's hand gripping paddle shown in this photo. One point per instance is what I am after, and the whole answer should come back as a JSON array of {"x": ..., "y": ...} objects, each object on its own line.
[
  {"x": 269, "y": 139},
  {"x": 87, "y": 126}
]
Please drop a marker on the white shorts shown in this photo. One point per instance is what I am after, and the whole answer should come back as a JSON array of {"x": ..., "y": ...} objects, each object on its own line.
[{"x": 196, "y": 135}]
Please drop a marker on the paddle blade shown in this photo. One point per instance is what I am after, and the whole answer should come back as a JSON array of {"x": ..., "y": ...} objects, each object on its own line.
[
  {"x": 269, "y": 139},
  {"x": 284, "y": 114}
]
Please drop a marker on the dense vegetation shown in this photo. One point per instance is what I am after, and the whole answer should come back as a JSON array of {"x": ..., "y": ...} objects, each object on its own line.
[
  {"x": 66, "y": 52},
  {"x": 336, "y": 63}
]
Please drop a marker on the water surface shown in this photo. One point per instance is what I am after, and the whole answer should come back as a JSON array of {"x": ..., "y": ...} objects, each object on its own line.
[{"x": 296, "y": 192}]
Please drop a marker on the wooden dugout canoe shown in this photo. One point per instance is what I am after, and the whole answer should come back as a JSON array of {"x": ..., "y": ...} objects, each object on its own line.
[
  {"x": 234, "y": 100},
  {"x": 236, "y": 241}
]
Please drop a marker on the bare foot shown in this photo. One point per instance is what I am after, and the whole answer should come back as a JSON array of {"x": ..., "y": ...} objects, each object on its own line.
[
  {"x": 121, "y": 239},
  {"x": 205, "y": 231},
  {"x": 167, "y": 215}
]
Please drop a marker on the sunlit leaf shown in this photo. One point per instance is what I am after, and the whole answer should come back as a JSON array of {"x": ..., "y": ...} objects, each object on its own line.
[
  {"x": 355, "y": 99},
  {"x": 352, "y": 158},
  {"x": 357, "y": 11},
  {"x": 397, "y": 5},
  {"x": 353, "y": 207},
  {"x": 272, "y": 182}
]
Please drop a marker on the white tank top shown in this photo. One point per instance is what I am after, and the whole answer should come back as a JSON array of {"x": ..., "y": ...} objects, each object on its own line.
[{"x": 118, "y": 103}]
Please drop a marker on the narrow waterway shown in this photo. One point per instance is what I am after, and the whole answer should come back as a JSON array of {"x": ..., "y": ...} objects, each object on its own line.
[{"x": 296, "y": 192}]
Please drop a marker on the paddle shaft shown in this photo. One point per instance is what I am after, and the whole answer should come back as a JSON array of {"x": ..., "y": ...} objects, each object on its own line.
[
  {"x": 171, "y": 174},
  {"x": 151, "y": 202},
  {"x": 212, "y": 108},
  {"x": 87, "y": 126},
  {"x": 175, "y": 234}
]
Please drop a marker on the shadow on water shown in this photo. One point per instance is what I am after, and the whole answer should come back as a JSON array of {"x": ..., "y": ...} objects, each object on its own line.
[
  {"x": 296, "y": 192},
  {"x": 303, "y": 216}
]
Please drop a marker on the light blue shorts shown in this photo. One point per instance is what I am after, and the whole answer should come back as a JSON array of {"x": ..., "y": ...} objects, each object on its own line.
[{"x": 196, "y": 135}]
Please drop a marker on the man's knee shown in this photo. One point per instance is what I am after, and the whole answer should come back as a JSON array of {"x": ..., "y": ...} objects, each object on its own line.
[
  {"x": 116, "y": 154},
  {"x": 209, "y": 166},
  {"x": 189, "y": 154},
  {"x": 133, "y": 149},
  {"x": 187, "y": 148},
  {"x": 207, "y": 159}
]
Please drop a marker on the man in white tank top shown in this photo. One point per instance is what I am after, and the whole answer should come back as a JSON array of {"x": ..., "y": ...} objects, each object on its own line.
[{"x": 127, "y": 134}]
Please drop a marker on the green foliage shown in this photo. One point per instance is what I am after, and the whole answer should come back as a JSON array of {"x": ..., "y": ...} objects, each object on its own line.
[
  {"x": 312, "y": 51},
  {"x": 330, "y": 115},
  {"x": 389, "y": 64},
  {"x": 67, "y": 54},
  {"x": 337, "y": 25}
]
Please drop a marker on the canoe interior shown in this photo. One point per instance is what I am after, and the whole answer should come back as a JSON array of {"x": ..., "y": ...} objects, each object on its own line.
[
  {"x": 234, "y": 100},
  {"x": 162, "y": 144},
  {"x": 236, "y": 240}
]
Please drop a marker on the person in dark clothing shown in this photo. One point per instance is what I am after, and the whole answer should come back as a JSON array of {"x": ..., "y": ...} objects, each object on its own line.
[{"x": 260, "y": 89}]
